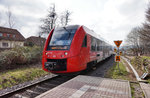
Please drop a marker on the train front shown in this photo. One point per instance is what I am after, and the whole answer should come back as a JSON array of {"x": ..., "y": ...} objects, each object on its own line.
[{"x": 61, "y": 51}]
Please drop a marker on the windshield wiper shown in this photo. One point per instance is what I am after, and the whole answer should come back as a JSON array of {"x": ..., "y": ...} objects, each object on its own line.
[{"x": 68, "y": 32}]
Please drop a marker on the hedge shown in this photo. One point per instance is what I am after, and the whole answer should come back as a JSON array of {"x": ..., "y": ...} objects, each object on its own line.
[{"x": 20, "y": 56}]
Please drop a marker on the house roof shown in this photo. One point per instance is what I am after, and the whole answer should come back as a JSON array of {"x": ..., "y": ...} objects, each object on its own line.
[
  {"x": 18, "y": 35},
  {"x": 36, "y": 40}
]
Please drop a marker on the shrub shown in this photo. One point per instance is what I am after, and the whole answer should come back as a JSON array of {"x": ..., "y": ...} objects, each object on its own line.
[
  {"x": 20, "y": 56},
  {"x": 137, "y": 62}
]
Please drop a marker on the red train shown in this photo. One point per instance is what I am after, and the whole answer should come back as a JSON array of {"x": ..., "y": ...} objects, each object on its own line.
[{"x": 73, "y": 49}]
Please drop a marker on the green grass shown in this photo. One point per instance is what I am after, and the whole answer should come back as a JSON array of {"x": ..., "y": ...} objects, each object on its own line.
[
  {"x": 134, "y": 92},
  {"x": 16, "y": 76},
  {"x": 140, "y": 69},
  {"x": 116, "y": 74},
  {"x": 137, "y": 63},
  {"x": 148, "y": 81},
  {"x": 132, "y": 89},
  {"x": 148, "y": 58},
  {"x": 145, "y": 57}
]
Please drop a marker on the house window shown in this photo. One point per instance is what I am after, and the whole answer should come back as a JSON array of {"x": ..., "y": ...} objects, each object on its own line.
[
  {"x": 8, "y": 35},
  {"x": 1, "y": 34},
  {"x": 4, "y": 34},
  {"x": 5, "y": 44},
  {"x": 14, "y": 36}
]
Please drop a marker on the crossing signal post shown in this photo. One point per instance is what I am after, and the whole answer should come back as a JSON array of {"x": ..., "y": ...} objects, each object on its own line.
[{"x": 118, "y": 53}]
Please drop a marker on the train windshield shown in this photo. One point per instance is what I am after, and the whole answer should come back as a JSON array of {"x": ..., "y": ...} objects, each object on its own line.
[{"x": 61, "y": 38}]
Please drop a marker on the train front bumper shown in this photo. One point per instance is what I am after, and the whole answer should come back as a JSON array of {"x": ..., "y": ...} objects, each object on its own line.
[{"x": 69, "y": 65}]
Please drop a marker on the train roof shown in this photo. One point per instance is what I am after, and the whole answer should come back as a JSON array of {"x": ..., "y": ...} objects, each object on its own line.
[
  {"x": 92, "y": 33},
  {"x": 87, "y": 30},
  {"x": 69, "y": 27}
]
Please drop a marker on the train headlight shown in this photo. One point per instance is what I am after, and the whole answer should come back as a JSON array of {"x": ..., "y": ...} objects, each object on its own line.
[
  {"x": 46, "y": 53},
  {"x": 66, "y": 53}
]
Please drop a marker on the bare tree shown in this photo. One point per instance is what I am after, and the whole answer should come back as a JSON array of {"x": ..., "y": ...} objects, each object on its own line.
[
  {"x": 49, "y": 21},
  {"x": 134, "y": 42},
  {"x": 11, "y": 21},
  {"x": 148, "y": 13},
  {"x": 145, "y": 33},
  {"x": 53, "y": 20},
  {"x": 65, "y": 18},
  {"x": 139, "y": 38}
]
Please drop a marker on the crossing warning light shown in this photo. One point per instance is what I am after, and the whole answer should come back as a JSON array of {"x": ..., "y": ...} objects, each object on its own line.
[
  {"x": 115, "y": 50},
  {"x": 118, "y": 43},
  {"x": 117, "y": 58},
  {"x": 120, "y": 53}
]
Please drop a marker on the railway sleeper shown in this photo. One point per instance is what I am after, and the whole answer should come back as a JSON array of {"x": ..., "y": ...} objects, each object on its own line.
[
  {"x": 48, "y": 85},
  {"x": 42, "y": 88},
  {"x": 63, "y": 79},
  {"x": 55, "y": 82},
  {"x": 19, "y": 96},
  {"x": 32, "y": 94}
]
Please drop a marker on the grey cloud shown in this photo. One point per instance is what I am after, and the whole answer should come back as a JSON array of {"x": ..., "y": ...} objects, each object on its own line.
[
  {"x": 132, "y": 7},
  {"x": 86, "y": 12},
  {"x": 34, "y": 7}
]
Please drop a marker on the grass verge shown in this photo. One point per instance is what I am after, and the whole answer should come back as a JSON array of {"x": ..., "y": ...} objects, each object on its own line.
[
  {"x": 146, "y": 57},
  {"x": 136, "y": 90},
  {"x": 132, "y": 89},
  {"x": 16, "y": 76},
  {"x": 137, "y": 63},
  {"x": 115, "y": 73},
  {"x": 148, "y": 81}
]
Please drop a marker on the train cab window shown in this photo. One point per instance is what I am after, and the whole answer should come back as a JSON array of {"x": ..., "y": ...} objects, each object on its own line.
[
  {"x": 84, "y": 44},
  {"x": 61, "y": 39}
]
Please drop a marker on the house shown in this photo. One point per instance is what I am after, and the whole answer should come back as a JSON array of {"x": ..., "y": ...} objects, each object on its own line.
[
  {"x": 10, "y": 38},
  {"x": 33, "y": 40}
]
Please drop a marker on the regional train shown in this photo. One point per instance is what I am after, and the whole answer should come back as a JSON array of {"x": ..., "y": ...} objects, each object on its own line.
[{"x": 73, "y": 49}]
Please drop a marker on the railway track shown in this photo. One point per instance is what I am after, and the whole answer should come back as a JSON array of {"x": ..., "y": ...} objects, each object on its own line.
[
  {"x": 35, "y": 89},
  {"x": 102, "y": 67}
]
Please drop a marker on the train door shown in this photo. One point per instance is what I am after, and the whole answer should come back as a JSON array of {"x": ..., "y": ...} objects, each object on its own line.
[{"x": 84, "y": 51}]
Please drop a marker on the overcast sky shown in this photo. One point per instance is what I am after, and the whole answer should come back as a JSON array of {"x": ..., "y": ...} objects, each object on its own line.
[{"x": 111, "y": 19}]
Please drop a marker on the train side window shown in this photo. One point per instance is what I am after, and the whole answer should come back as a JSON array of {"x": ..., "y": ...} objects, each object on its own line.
[
  {"x": 84, "y": 44},
  {"x": 93, "y": 44},
  {"x": 101, "y": 45},
  {"x": 98, "y": 45}
]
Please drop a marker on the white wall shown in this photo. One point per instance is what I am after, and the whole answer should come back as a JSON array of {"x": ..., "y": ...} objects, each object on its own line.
[{"x": 11, "y": 44}]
